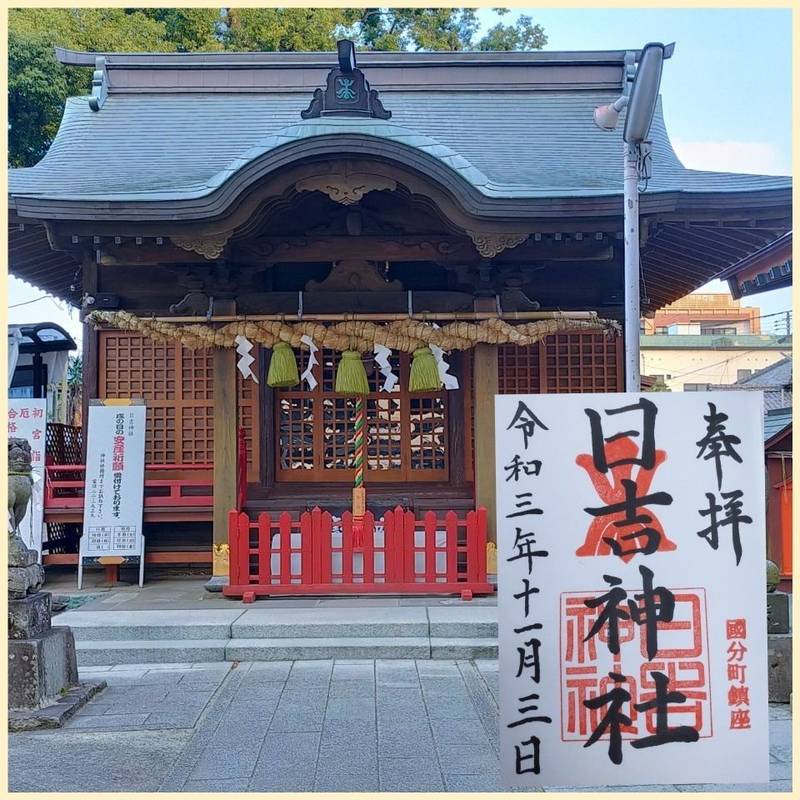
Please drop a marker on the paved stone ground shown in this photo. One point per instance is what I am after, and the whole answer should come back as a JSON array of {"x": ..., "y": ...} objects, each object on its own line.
[
  {"x": 294, "y": 726},
  {"x": 168, "y": 591}
]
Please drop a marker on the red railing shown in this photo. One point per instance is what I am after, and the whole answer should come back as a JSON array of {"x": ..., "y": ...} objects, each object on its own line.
[
  {"x": 65, "y": 485},
  {"x": 315, "y": 555}
]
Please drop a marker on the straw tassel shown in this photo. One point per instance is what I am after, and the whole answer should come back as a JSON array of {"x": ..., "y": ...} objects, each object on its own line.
[
  {"x": 424, "y": 372},
  {"x": 351, "y": 377},
  {"x": 282, "y": 367}
]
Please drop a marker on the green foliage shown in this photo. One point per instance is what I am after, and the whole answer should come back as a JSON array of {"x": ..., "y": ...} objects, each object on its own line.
[
  {"x": 659, "y": 386},
  {"x": 39, "y": 85},
  {"x": 312, "y": 29},
  {"x": 524, "y": 35},
  {"x": 75, "y": 371}
]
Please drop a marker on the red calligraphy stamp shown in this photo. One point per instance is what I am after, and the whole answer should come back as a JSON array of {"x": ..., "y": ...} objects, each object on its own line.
[{"x": 585, "y": 663}]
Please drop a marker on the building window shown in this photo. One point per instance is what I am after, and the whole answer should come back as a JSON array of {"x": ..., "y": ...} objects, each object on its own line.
[
  {"x": 741, "y": 374},
  {"x": 662, "y": 329},
  {"x": 696, "y": 387},
  {"x": 724, "y": 331},
  {"x": 407, "y": 437}
]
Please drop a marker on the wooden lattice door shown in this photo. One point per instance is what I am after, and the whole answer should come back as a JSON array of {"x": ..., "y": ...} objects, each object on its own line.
[{"x": 407, "y": 434}]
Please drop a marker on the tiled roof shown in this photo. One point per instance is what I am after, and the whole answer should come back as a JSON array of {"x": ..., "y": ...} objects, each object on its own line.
[
  {"x": 533, "y": 144},
  {"x": 774, "y": 376},
  {"x": 776, "y": 421}
]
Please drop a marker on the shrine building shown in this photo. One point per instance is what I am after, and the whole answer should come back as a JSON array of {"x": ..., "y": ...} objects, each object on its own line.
[{"x": 460, "y": 210}]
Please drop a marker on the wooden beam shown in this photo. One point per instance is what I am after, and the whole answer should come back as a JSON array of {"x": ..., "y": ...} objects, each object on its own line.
[
  {"x": 485, "y": 386},
  {"x": 225, "y": 439},
  {"x": 440, "y": 249}
]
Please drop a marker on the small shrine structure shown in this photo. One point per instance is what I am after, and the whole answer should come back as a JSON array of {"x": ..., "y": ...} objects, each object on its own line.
[{"x": 380, "y": 243}]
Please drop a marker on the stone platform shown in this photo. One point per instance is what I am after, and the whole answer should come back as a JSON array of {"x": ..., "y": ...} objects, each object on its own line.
[{"x": 277, "y": 634}]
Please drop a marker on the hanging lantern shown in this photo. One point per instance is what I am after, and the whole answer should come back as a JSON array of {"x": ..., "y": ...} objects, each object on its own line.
[
  {"x": 282, "y": 367},
  {"x": 424, "y": 372},
  {"x": 351, "y": 377}
]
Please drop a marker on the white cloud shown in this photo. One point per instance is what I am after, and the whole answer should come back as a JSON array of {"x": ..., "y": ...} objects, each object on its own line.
[{"x": 761, "y": 158}]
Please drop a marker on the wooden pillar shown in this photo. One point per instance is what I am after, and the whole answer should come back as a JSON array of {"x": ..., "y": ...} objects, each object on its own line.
[
  {"x": 90, "y": 351},
  {"x": 485, "y": 385},
  {"x": 225, "y": 439}
]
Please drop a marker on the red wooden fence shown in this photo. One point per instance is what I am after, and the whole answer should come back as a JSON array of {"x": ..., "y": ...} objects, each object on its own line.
[
  {"x": 400, "y": 555},
  {"x": 65, "y": 486}
]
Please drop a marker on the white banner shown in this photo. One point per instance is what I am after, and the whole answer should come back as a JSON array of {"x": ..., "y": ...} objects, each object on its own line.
[
  {"x": 114, "y": 494},
  {"x": 632, "y": 601},
  {"x": 27, "y": 419}
]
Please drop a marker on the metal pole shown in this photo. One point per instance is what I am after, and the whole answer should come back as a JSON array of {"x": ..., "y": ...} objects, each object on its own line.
[
  {"x": 38, "y": 376},
  {"x": 632, "y": 311}
]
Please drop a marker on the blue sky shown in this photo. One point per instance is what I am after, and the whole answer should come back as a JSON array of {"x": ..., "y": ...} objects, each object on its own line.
[{"x": 726, "y": 94}]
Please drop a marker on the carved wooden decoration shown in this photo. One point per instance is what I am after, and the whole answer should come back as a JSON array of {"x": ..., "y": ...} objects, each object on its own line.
[
  {"x": 353, "y": 275},
  {"x": 490, "y": 244},
  {"x": 347, "y": 92},
  {"x": 346, "y": 189},
  {"x": 206, "y": 246}
]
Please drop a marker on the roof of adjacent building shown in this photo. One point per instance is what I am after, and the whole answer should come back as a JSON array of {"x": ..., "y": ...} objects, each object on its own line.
[
  {"x": 775, "y": 381},
  {"x": 665, "y": 341},
  {"x": 778, "y": 375},
  {"x": 512, "y": 125},
  {"x": 770, "y": 267},
  {"x": 776, "y": 421}
]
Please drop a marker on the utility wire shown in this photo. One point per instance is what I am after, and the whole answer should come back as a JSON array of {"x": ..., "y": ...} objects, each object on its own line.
[{"x": 28, "y": 302}]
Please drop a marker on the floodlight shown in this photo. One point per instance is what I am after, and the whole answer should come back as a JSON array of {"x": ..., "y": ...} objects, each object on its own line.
[
  {"x": 607, "y": 117},
  {"x": 644, "y": 93}
]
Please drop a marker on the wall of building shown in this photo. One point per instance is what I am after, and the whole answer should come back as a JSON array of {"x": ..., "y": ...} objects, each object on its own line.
[
  {"x": 712, "y": 313},
  {"x": 697, "y": 367}
]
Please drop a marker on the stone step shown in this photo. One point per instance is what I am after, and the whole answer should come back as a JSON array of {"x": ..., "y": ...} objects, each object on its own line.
[
  {"x": 459, "y": 647},
  {"x": 336, "y": 623},
  {"x": 296, "y": 648},
  {"x": 183, "y": 651},
  {"x": 463, "y": 621},
  {"x": 310, "y": 648},
  {"x": 135, "y": 626}
]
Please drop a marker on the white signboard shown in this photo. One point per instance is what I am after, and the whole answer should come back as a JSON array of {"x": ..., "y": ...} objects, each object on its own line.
[
  {"x": 27, "y": 419},
  {"x": 632, "y": 607},
  {"x": 114, "y": 493}
]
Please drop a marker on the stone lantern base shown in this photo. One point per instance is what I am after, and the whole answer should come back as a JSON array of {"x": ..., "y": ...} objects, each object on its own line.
[{"x": 43, "y": 687}]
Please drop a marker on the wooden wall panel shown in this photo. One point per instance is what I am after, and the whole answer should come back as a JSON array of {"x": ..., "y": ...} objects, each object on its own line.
[
  {"x": 178, "y": 386},
  {"x": 565, "y": 362}
]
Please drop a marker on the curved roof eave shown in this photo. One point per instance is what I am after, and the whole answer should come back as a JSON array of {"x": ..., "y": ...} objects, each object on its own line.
[{"x": 439, "y": 163}]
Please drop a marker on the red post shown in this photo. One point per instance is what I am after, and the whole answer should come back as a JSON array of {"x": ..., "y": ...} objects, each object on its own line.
[
  {"x": 264, "y": 549},
  {"x": 472, "y": 548},
  {"x": 481, "y": 542},
  {"x": 285, "y": 529},
  {"x": 306, "y": 552},
  {"x": 451, "y": 545},
  {"x": 233, "y": 548},
  {"x": 431, "y": 524},
  {"x": 368, "y": 549},
  {"x": 347, "y": 547},
  {"x": 244, "y": 548},
  {"x": 408, "y": 551},
  {"x": 389, "y": 548}
]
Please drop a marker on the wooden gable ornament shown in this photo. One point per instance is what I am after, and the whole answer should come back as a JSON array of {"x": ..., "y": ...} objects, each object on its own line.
[{"x": 347, "y": 93}]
